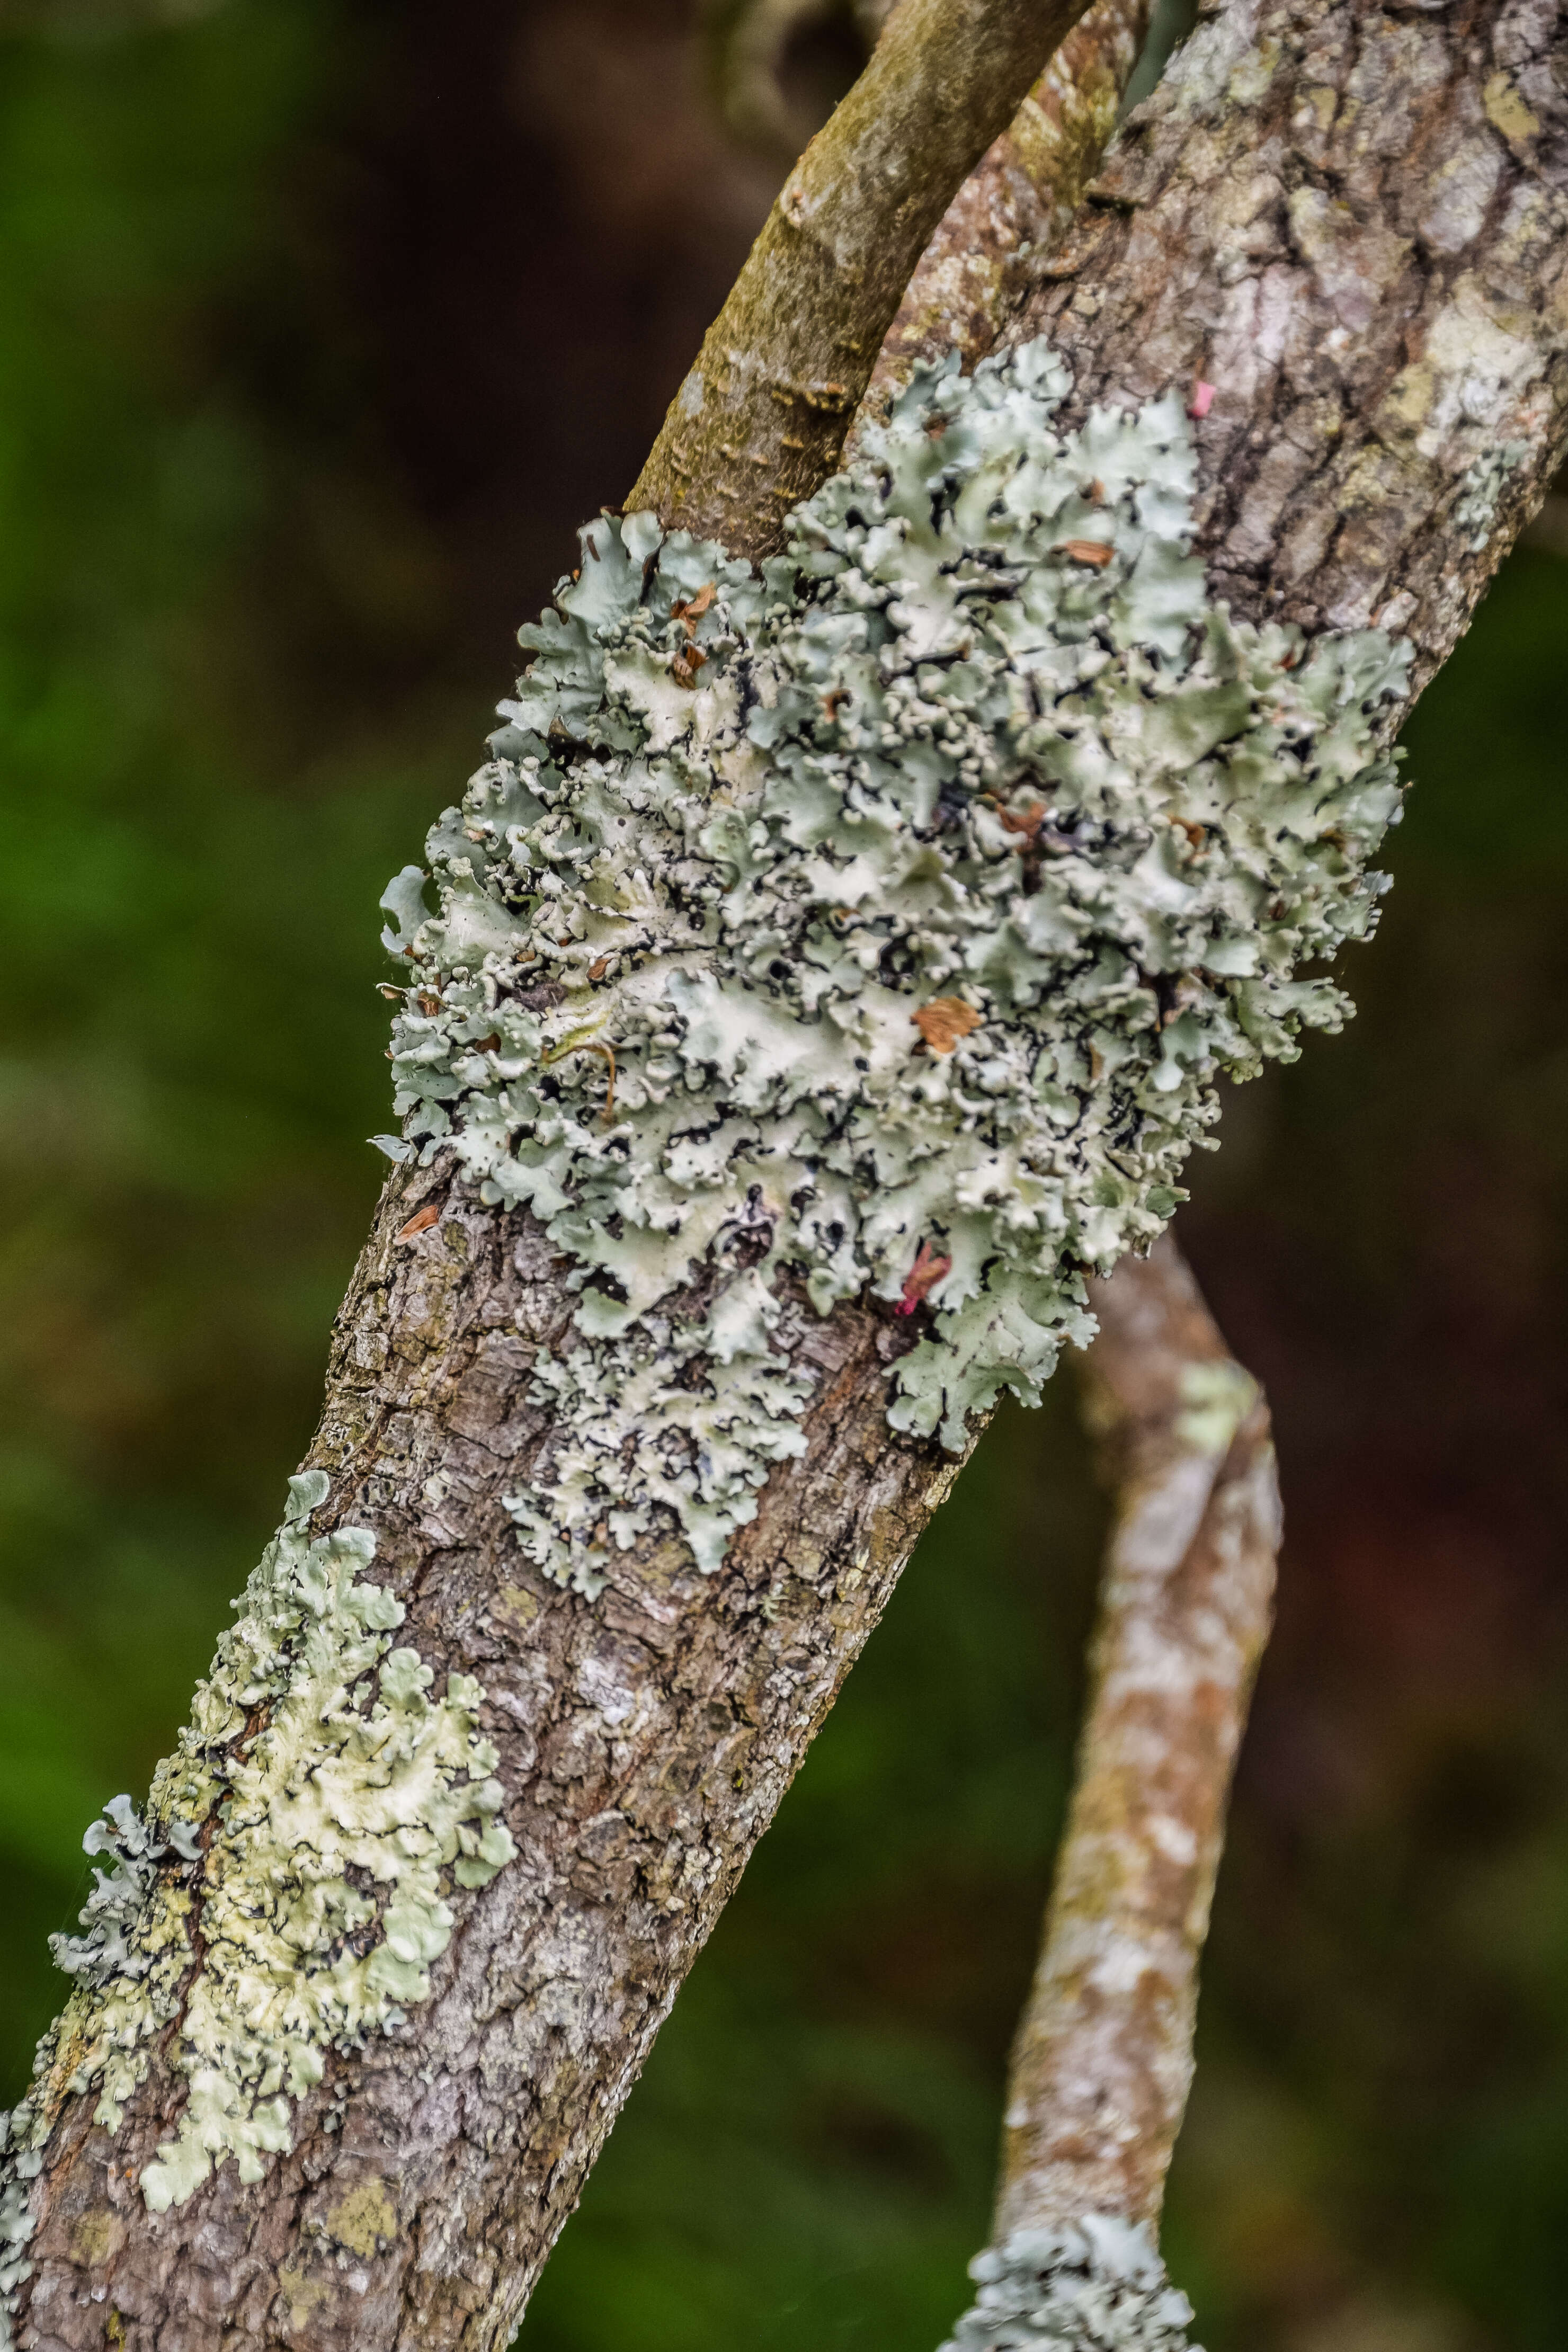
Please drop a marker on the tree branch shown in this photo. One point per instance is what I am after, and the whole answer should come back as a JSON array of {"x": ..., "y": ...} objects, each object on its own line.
[
  {"x": 761, "y": 419},
  {"x": 1014, "y": 208},
  {"x": 1350, "y": 222},
  {"x": 1102, "y": 2062}
]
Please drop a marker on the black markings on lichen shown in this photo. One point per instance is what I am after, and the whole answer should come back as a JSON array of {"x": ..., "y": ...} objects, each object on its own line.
[{"x": 979, "y": 736}]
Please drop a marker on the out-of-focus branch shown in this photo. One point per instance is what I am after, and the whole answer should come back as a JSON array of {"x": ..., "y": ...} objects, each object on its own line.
[
  {"x": 1103, "y": 2057},
  {"x": 761, "y": 418}
]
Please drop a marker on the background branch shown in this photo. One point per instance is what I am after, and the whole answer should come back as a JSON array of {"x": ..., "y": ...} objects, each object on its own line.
[{"x": 1102, "y": 2062}]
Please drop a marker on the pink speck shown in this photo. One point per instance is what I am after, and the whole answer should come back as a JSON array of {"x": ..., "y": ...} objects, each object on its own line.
[
  {"x": 926, "y": 1271},
  {"x": 1202, "y": 400}
]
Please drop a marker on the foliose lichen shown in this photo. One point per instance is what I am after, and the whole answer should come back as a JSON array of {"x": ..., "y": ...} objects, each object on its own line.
[
  {"x": 21, "y": 2161},
  {"x": 1094, "y": 2285},
  {"x": 285, "y": 1892},
  {"x": 1482, "y": 489},
  {"x": 880, "y": 919}
]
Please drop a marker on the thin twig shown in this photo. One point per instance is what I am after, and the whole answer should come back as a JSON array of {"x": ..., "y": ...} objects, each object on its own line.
[{"x": 1102, "y": 2061}]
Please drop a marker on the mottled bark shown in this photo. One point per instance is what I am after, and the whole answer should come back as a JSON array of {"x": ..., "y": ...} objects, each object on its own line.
[
  {"x": 1015, "y": 204},
  {"x": 761, "y": 419},
  {"x": 1102, "y": 2062},
  {"x": 1347, "y": 219}
]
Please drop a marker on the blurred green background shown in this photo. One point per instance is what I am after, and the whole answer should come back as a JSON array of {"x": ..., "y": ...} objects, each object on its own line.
[{"x": 321, "y": 323}]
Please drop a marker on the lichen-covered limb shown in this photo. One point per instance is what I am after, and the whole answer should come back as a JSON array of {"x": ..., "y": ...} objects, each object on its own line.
[
  {"x": 1102, "y": 2059},
  {"x": 1103, "y": 2055},
  {"x": 1376, "y": 433},
  {"x": 762, "y": 416},
  {"x": 1016, "y": 203},
  {"x": 1347, "y": 222}
]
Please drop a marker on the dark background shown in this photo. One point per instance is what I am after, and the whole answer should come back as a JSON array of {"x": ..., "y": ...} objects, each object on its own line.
[{"x": 321, "y": 324}]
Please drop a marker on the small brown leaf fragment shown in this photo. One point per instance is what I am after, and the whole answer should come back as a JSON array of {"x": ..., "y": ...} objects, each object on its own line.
[
  {"x": 834, "y": 700},
  {"x": 683, "y": 669},
  {"x": 1096, "y": 1064},
  {"x": 598, "y": 969},
  {"x": 691, "y": 610},
  {"x": 1096, "y": 492},
  {"x": 924, "y": 1275},
  {"x": 490, "y": 1045},
  {"x": 420, "y": 1221},
  {"x": 427, "y": 1003},
  {"x": 1027, "y": 821},
  {"x": 1196, "y": 834},
  {"x": 945, "y": 1020},
  {"x": 1092, "y": 551}
]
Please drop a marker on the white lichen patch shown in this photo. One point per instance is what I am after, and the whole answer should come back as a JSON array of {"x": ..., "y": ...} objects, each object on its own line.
[
  {"x": 286, "y": 1892},
  {"x": 1094, "y": 2286},
  {"x": 881, "y": 919}
]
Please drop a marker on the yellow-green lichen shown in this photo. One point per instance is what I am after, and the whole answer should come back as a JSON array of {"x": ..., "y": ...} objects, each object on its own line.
[
  {"x": 884, "y": 917},
  {"x": 286, "y": 1892}
]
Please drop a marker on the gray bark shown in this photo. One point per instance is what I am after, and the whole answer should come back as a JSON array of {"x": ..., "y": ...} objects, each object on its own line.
[{"x": 1348, "y": 221}]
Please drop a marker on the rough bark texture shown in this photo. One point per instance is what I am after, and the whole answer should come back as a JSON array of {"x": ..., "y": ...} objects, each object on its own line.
[
  {"x": 648, "y": 1739},
  {"x": 761, "y": 419},
  {"x": 1348, "y": 219},
  {"x": 1103, "y": 2061},
  {"x": 1015, "y": 204}
]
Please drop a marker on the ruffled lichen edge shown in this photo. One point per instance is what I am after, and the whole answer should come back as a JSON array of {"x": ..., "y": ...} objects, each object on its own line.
[
  {"x": 1090, "y": 2285},
  {"x": 874, "y": 924},
  {"x": 285, "y": 1891}
]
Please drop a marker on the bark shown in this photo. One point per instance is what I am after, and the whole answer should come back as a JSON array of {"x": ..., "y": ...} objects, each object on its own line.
[
  {"x": 1015, "y": 204},
  {"x": 761, "y": 419},
  {"x": 1347, "y": 219},
  {"x": 1102, "y": 2062}
]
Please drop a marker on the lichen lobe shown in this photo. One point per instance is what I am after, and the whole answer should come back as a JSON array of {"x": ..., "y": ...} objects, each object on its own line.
[
  {"x": 1094, "y": 2285},
  {"x": 979, "y": 738}
]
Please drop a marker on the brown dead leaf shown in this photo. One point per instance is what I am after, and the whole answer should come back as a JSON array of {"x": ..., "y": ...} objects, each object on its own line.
[
  {"x": 420, "y": 1221},
  {"x": 683, "y": 669},
  {"x": 691, "y": 611},
  {"x": 1025, "y": 821},
  {"x": 1087, "y": 551},
  {"x": 833, "y": 701},
  {"x": 427, "y": 1003},
  {"x": 1096, "y": 492},
  {"x": 945, "y": 1020},
  {"x": 598, "y": 969}
]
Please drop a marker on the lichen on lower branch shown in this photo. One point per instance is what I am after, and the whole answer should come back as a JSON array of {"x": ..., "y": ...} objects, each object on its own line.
[
  {"x": 876, "y": 923},
  {"x": 286, "y": 1890},
  {"x": 1092, "y": 2285}
]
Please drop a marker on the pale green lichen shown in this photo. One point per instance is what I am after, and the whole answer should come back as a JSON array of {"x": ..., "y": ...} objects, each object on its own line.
[
  {"x": 1480, "y": 491},
  {"x": 284, "y": 1893},
  {"x": 1094, "y": 2285},
  {"x": 21, "y": 2161},
  {"x": 979, "y": 744}
]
